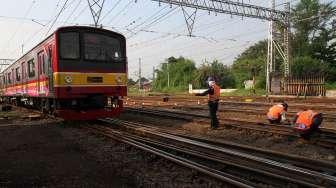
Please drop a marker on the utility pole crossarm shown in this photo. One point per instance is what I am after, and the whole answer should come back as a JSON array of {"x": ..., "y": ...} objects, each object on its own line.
[{"x": 232, "y": 7}]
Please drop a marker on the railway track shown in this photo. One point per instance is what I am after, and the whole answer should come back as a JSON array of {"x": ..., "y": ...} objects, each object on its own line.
[
  {"x": 326, "y": 138},
  {"x": 325, "y": 106},
  {"x": 234, "y": 164},
  {"x": 323, "y": 103},
  {"x": 331, "y": 117}
]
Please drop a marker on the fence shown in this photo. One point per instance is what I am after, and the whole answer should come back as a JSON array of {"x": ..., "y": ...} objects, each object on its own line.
[{"x": 306, "y": 86}]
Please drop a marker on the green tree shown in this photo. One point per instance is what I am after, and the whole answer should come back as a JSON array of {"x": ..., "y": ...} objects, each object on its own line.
[
  {"x": 251, "y": 64},
  {"x": 307, "y": 66},
  {"x": 177, "y": 72},
  {"x": 315, "y": 35},
  {"x": 131, "y": 82},
  {"x": 219, "y": 71}
]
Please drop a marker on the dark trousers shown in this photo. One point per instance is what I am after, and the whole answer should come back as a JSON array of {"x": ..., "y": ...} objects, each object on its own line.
[
  {"x": 275, "y": 121},
  {"x": 213, "y": 107},
  {"x": 317, "y": 120}
]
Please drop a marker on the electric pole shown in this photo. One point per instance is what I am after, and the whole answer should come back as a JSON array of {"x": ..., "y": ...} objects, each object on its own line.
[
  {"x": 270, "y": 53},
  {"x": 153, "y": 73},
  {"x": 242, "y": 9},
  {"x": 168, "y": 74},
  {"x": 139, "y": 74}
]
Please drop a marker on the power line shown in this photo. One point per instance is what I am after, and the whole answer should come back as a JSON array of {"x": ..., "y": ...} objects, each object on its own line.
[
  {"x": 72, "y": 12},
  {"x": 17, "y": 29},
  {"x": 193, "y": 44},
  {"x": 113, "y": 7},
  {"x": 52, "y": 24},
  {"x": 122, "y": 10},
  {"x": 156, "y": 21},
  {"x": 81, "y": 12},
  {"x": 149, "y": 18}
]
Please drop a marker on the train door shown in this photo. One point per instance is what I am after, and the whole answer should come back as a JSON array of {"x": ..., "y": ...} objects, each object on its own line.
[
  {"x": 13, "y": 82},
  {"x": 24, "y": 77},
  {"x": 49, "y": 69},
  {"x": 40, "y": 73}
]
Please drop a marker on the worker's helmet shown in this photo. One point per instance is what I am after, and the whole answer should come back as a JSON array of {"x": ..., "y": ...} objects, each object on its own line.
[
  {"x": 285, "y": 105},
  {"x": 211, "y": 81},
  {"x": 210, "y": 78}
]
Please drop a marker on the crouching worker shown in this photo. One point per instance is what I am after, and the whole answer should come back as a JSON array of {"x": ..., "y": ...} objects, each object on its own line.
[
  {"x": 307, "y": 122},
  {"x": 214, "y": 94},
  {"x": 277, "y": 113}
]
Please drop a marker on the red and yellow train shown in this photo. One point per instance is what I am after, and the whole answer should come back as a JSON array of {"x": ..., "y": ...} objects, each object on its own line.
[{"x": 77, "y": 73}]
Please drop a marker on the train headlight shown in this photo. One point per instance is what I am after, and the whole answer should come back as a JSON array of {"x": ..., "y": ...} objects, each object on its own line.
[
  {"x": 68, "y": 79},
  {"x": 119, "y": 80}
]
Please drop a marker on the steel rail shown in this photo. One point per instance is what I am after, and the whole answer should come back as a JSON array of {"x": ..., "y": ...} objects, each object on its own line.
[
  {"x": 327, "y": 136},
  {"x": 303, "y": 176},
  {"x": 236, "y": 181},
  {"x": 316, "y": 165}
]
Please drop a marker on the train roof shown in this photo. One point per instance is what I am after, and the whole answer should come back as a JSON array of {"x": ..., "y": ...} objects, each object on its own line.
[
  {"x": 89, "y": 28},
  {"x": 59, "y": 29}
]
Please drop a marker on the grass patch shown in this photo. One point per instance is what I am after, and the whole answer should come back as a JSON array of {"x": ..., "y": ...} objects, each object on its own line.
[
  {"x": 246, "y": 92},
  {"x": 166, "y": 91},
  {"x": 331, "y": 85}
]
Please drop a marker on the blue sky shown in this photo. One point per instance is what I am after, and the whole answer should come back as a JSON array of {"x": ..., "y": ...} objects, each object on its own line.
[{"x": 151, "y": 36}]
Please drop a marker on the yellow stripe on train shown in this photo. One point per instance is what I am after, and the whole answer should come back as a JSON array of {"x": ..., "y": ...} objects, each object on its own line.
[
  {"x": 34, "y": 84},
  {"x": 89, "y": 79}
]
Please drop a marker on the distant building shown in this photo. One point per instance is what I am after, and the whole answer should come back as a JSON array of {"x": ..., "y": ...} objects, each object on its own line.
[
  {"x": 192, "y": 91},
  {"x": 147, "y": 86},
  {"x": 248, "y": 84}
]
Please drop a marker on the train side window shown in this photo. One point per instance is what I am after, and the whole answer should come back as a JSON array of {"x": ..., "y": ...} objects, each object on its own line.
[
  {"x": 1, "y": 82},
  {"x": 31, "y": 68},
  {"x": 13, "y": 76},
  {"x": 41, "y": 63},
  {"x": 17, "y": 73},
  {"x": 23, "y": 70},
  {"x": 9, "y": 77},
  {"x": 49, "y": 60},
  {"x": 44, "y": 66}
]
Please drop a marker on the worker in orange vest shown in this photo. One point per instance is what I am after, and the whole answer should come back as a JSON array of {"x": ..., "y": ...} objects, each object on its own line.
[
  {"x": 214, "y": 93},
  {"x": 277, "y": 113},
  {"x": 307, "y": 122}
]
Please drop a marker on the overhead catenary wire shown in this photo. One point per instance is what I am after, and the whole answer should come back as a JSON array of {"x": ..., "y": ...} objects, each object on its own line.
[
  {"x": 81, "y": 12},
  {"x": 122, "y": 10},
  {"x": 19, "y": 26},
  {"x": 154, "y": 22},
  {"x": 72, "y": 12},
  {"x": 28, "y": 39},
  {"x": 57, "y": 16},
  {"x": 112, "y": 8},
  {"x": 149, "y": 18},
  {"x": 189, "y": 45}
]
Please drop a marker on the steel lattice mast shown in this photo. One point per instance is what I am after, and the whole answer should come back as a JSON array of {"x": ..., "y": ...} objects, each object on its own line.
[
  {"x": 242, "y": 9},
  {"x": 4, "y": 63},
  {"x": 232, "y": 7}
]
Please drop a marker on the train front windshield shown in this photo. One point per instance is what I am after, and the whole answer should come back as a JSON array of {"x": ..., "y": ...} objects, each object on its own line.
[
  {"x": 99, "y": 47},
  {"x": 85, "y": 50}
]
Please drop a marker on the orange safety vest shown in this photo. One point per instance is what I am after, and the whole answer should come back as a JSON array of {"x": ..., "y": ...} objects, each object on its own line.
[
  {"x": 275, "y": 112},
  {"x": 305, "y": 118},
  {"x": 216, "y": 94}
]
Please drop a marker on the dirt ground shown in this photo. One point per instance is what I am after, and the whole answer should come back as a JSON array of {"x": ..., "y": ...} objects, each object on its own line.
[
  {"x": 285, "y": 144},
  {"x": 49, "y": 154}
]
